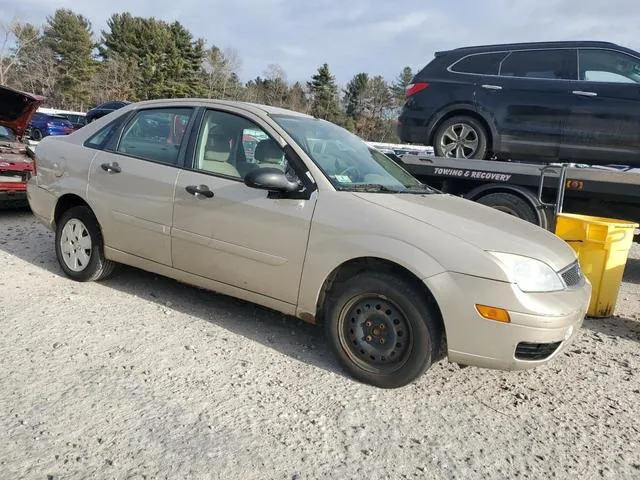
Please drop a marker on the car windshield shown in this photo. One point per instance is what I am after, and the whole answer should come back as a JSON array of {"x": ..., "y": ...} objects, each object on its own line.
[
  {"x": 347, "y": 161},
  {"x": 6, "y": 134}
]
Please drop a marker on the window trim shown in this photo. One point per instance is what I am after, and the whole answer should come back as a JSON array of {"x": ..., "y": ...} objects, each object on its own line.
[
  {"x": 116, "y": 133},
  {"x": 509, "y": 52},
  {"x": 591, "y": 82},
  {"x": 112, "y": 146},
  {"x": 450, "y": 68}
]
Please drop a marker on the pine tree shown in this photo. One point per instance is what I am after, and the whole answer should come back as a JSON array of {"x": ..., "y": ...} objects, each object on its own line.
[
  {"x": 70, "y": 37},
  {"x": 355, "y": 95},
  {"x": 324, "y": 92},
  {"x": 399, "y": 87},
  {"x": 168, "y": 59}
]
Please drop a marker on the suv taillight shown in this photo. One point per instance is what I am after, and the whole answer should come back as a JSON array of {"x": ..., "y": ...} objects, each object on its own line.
[{"x": 415, "y": 88}]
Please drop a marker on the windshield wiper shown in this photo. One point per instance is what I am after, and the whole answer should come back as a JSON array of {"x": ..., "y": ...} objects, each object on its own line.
[
  {"x": 422, "y": 188},
  {"x": 368, "y": 187}
]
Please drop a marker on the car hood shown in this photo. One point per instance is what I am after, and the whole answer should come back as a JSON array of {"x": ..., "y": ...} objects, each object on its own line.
[
  {"x": 478, "y": 225},
  {"x": 17, "y": 108}
]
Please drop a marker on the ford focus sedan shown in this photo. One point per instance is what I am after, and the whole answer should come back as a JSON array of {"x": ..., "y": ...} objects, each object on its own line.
[{"x": 312, "y": 222}]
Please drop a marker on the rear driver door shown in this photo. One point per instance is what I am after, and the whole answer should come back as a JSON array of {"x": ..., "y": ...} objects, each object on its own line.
[{"x": 131, "y": 183}]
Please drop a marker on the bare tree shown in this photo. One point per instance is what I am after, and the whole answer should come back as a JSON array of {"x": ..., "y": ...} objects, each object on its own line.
[
  {"x": 13, "y": 38},
  {"x": 116, "y": 80},
  {"x": 221, "y": 69},
  {"x": 277, "y": 89}
]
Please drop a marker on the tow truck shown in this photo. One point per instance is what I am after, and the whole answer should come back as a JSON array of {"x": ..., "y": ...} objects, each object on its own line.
[{"x": 532, "y": 190}]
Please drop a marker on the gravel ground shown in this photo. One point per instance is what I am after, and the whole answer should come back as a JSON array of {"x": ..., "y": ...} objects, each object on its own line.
[{"x": 140, "y": 377}]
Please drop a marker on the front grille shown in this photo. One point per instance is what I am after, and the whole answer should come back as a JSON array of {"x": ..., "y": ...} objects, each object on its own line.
[
  {"x": 535, "y": 351},
  {"x": 572, "y": 276}
]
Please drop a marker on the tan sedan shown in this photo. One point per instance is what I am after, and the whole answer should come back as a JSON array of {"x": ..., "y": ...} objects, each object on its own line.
[{"x": 301, "y": 216}]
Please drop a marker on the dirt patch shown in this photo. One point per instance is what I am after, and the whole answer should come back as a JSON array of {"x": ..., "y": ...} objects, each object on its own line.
[{"x": 142, "y": 377}]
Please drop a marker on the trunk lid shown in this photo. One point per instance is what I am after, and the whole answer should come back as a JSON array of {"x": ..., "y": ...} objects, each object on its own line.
[{"x": 17, "y": 108}]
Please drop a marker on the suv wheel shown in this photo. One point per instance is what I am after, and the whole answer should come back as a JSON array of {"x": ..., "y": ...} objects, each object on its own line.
[
  {"x": 461, "y": 137},
  {"x": 79, "y": 246},
  {"x": 382, "y": 328}
]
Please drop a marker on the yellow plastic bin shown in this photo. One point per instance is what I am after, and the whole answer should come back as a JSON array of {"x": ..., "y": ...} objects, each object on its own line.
[{"x": 602, "y": 245}]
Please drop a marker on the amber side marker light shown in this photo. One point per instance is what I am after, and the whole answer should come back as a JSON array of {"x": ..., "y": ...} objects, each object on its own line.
[{"x": 493, "y": 313}]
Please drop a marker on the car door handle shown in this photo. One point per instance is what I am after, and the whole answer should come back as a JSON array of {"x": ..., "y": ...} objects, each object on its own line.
[
  {"x": 199, "y": 190},
  {"x": 492, "y": 87},
  {"x": 584, "y": 94},
  {"x": 111, "y": 167}
]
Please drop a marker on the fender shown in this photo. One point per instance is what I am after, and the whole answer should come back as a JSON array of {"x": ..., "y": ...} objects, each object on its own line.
[{"x": 322, "y": 260}]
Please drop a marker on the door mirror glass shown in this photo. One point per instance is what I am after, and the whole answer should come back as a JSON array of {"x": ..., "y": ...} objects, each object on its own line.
[{"x": 272, "y": 179}]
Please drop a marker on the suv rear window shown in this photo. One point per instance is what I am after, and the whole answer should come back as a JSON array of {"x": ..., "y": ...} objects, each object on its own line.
[
  {"x": 559, "y": 64},
  {"x": 480, "y": 63}
]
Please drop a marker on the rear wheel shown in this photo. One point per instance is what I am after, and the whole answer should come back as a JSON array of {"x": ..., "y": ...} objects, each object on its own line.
[
  {"x": 79, "y": 246},
  {"x": 461, "y": 137},
  {"x": 382, "y": 328},
  {"x": 36, "y": 134},
  {"x": 511, "y": 204}
]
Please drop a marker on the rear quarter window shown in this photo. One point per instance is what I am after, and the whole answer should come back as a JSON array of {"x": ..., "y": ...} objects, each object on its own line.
[{"x": 479, "y": 63}]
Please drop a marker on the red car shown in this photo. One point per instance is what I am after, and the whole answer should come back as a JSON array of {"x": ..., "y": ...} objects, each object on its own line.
[{"x": 16, "y": 165}]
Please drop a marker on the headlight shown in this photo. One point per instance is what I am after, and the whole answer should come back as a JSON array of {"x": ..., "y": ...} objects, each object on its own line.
[{"x": 529, "y": 274}]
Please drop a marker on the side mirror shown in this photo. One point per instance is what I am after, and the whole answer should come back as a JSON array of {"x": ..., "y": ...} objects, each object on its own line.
[{"x": 272, "y": 179}]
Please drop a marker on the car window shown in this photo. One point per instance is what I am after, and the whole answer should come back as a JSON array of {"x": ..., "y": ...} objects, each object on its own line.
[
  {"x": 102, "y": 136},
  {"x": 480, "y": 64},
  {"x": 559, "y": 64},
  {"x": 6, "y": 133},
  {"x": 156, "y": 134},
  {"x": 347, "y": 161},
  {"x": 598, "y": 65},
  {"x": 231, "y": 146}
]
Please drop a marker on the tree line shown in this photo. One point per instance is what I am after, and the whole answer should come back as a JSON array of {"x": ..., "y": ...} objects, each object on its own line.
[{"x": 139, "y": 58}]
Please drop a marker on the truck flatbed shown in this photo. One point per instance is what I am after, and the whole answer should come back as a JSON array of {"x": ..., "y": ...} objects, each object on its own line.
[{"x": 533, "y": 190}]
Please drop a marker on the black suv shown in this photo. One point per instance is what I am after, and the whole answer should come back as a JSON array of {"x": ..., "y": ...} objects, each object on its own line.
[
  {"x": 571, "y": 101},
  {"x": 104, "y": 109}
]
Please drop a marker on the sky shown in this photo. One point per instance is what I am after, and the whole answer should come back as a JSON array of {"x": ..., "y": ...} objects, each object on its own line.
[{"x": 375, "y": 36}]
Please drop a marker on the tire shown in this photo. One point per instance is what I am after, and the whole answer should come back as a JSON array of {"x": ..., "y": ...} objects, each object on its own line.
[
  {"x": 448, "y": 133},
  {"x": 398, "y": 349},
  {"x": 511, "y": 204},
  {"x": 76, "y": 224},
  {"x": 36, "y": 134}
]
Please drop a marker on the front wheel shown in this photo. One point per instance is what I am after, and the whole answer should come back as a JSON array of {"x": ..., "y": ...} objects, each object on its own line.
[
  {"x": 461, "y": 137},
  {"x": 382, "y": 328},
  {"x": 79, "y": 246}
]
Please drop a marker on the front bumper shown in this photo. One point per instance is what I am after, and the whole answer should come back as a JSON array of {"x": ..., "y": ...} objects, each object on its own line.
[{"x": 537, "y": 321}]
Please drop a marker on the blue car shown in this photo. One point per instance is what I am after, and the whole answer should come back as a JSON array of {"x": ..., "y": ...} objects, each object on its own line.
[{"x": 43, "y": 124}]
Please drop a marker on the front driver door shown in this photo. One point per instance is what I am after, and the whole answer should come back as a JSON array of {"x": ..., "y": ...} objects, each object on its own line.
[
  {"x": 604, "y": 125},
  {"x": 232, "y": 233},
  {"x": 131, "y": 184}
]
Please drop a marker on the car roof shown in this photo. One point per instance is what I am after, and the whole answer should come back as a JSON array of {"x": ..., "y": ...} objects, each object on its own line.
[
  {"x": 531, "y": 46},
  {"x": 255, "y": 108}
]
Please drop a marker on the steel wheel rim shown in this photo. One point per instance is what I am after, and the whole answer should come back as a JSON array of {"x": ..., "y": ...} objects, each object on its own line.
[
  {"x": 459, "y": 140},
  {"x": 75, "y": 245},
  {"x": 375, "y": 333}
]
